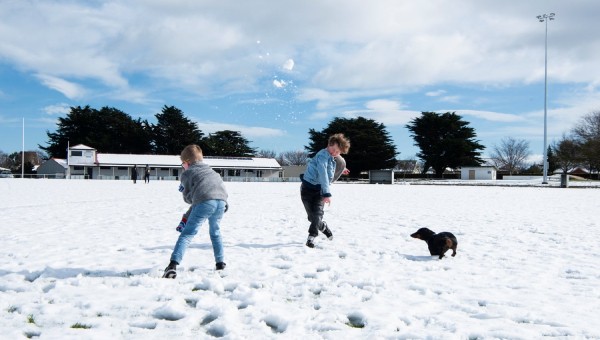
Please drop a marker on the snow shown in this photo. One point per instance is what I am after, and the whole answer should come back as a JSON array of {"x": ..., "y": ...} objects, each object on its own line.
[{"x": 83, "y": 259}]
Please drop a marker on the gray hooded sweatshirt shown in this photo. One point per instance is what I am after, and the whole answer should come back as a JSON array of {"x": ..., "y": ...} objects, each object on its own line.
[{"x": 201, "y": 183}]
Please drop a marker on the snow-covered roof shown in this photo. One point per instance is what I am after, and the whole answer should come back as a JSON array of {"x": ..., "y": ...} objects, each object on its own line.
[
  {"x": 60, "y": 161},
  {"x": 81, "y": 147},
  {"x": 111, "y": 159}
]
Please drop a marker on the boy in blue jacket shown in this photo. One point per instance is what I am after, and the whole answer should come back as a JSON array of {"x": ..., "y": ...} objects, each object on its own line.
[
  {"x": 314, "y": 191},
  {"x": 203, "y": 188}
]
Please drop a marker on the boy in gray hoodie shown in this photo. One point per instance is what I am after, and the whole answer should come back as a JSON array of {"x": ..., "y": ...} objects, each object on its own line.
[{"x": 203, "y": 188}]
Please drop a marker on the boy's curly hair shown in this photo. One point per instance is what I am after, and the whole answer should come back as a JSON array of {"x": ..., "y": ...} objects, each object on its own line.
[
  {"x": 191, "y": 154},
  {"x": 342, "y": 142}
]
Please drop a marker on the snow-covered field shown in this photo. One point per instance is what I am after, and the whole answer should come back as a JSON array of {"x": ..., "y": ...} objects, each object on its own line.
[{"x": 83, "y": 260}]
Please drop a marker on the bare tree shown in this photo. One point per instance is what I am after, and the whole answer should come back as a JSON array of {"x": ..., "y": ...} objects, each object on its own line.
[
  {"x": 4, "y": 160},
  {"x": 587, "y": 133},
  {"x": 511, "y": 154},
  {"x": 589, "y": 127},
  {"x": 294, "y": 157},
  {"x": 266, "y": 154},
  {"x": 568, "y": 153}
]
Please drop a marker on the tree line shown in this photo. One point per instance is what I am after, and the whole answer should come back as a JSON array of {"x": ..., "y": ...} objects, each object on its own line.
[
  {"x": 110, "y": 130},
  {"x": 445, "y": 141}
]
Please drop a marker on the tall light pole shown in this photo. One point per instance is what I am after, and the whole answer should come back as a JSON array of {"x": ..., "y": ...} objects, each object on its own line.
[{"x": 545, "y": 18}]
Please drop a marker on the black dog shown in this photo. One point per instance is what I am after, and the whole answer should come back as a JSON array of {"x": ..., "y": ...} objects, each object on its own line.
[{"x": 438, "y": 243}]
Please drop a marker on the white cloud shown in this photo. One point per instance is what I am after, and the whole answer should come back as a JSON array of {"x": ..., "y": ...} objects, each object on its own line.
[
  {"x": 68, "y": 89},
  {"x": 214, "y": 47},
  {"x": 247, "y": 131},
  {"x": 57, "y": 109},
  {"x": 450, "y": 99},
  {"x": 488, "y": 115},
  {"x": 325, "y": 99},
  {"x": 388, "y": 112},
  {"x": 436, "y": 93}
]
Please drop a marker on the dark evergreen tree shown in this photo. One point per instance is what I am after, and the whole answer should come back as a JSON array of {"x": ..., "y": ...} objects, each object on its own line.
[
  {"x": 117, "y": 132},
  {"x": 371, "y": 147},
  {"x": 174, "y": 131},
  {"x": 552, "y": 161},
  {"x": 74, "y": 128},
  {"x": 445, "y": 140},
  {"x": 108, "y": 130},
  {"x": 228, "y": 143}
]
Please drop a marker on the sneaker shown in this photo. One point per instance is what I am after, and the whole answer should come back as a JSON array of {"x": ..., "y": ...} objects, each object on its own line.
[
  {"x": 310, "y": 242},
  {"x": 170, "y": 272},
  {"x": 221, "y": 265},
  {"x": 325, "y": 230}
]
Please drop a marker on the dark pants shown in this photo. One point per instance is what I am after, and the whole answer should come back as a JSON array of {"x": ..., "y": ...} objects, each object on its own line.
[{"x": 313, "y": 204}]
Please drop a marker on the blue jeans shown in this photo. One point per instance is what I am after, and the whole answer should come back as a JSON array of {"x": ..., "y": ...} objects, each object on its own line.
[{"x": 211, "y": 210}]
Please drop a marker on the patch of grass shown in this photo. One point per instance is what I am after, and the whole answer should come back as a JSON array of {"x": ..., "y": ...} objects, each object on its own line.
[
  {"x": 30, "y": 319},
  {"x": 12, "y": 309},
  {"x": 80, "y": 326}
]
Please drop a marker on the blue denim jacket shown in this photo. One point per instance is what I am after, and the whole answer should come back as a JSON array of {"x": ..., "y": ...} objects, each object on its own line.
[{"x": 319, "y": 171}]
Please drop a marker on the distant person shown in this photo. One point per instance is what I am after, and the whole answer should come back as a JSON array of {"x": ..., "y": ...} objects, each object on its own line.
[
  {"x": 134, "y": 173},
  {"x": 204, "y": 189},
  {"x": 314, "y": 191},
  {"x": 147, "y": 175}
]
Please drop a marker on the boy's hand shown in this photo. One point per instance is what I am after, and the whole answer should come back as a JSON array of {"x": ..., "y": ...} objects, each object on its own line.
[
  {"x": 327, "y": 200},
  {"x": 181, "y": 225},
  {"x": 345, "y": 171}
]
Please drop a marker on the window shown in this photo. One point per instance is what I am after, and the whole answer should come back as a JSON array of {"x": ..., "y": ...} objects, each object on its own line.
[
  {"x": 78, "y": 168},
  {"x": 105, "y": 168},
  {"x": 259, "y": 173},
  {"x": 233, "y": 173},
  {"x": 76, "y": 153},
  {"x": 122, "y": 168}
]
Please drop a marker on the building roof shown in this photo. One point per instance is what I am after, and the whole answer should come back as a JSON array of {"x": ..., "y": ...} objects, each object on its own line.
[
  {"x": 81, "y": 147},
  {"x": 111, "y": 159},
  {"x": 479, "y": 167},
  {"x": 60, "y": 161}
]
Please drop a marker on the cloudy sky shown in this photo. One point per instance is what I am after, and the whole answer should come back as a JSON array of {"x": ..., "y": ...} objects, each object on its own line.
[{"x": 275, "y": 69}]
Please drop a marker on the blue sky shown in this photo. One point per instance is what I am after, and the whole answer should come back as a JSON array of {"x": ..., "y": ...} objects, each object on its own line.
[{"x": 275, "y": 69}]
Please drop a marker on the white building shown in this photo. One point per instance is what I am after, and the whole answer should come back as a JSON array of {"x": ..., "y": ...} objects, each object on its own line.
[
  {"x": 85, "y": 162},
  {"x": 478, "y": 173}
]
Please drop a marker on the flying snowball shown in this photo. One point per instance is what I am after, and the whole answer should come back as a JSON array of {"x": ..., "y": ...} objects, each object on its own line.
[
  {"x": 279, "y": 83},
  {"x": 288, "y": 65}
]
